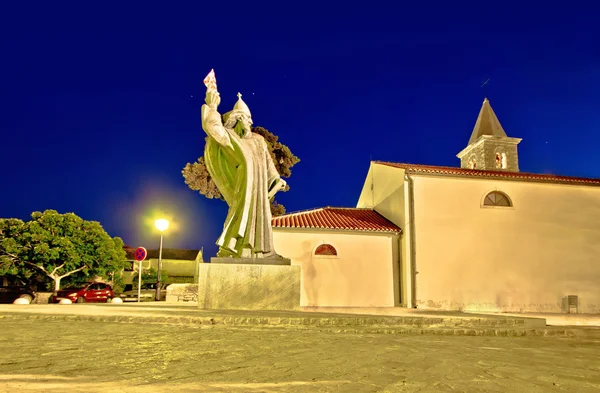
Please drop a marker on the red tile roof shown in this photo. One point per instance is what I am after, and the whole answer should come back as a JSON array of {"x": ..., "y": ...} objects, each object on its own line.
[
  {"x": 344, "y": 218},
  {"x": 502, "y": 175}
]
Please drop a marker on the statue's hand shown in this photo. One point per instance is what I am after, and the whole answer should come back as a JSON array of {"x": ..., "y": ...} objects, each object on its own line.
[
  {"x": 213, "y": 99},
  {"x": 282, "y": 185}
]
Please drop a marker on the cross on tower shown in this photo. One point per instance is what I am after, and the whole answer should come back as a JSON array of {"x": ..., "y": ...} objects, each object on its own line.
[{"x": 484, "y": 86}]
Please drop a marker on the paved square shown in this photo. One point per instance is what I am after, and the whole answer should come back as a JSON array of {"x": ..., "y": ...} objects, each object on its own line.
[{"x": 84, "y": 356}]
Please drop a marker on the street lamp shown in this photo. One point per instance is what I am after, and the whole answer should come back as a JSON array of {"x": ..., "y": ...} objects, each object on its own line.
[{"x": 161, "y": 224}]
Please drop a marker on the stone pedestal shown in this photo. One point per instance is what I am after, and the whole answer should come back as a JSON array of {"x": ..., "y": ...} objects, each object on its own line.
[{"x": 248, "y": 286}]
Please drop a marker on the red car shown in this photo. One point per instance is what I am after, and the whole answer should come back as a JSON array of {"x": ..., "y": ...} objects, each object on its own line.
[{"x": 91, "y": 292}]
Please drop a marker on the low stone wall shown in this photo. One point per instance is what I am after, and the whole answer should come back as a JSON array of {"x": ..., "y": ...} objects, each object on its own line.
[
  {"x": 182, "y": 293},
  {"x": 41, "y": 298}
]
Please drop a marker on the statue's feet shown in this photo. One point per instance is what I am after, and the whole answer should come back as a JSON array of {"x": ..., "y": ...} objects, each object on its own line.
[{"x": 224, "y": 253}]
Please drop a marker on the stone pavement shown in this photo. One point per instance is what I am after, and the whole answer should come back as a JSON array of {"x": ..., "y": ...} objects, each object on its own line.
[
  {"x": 552, "y": 319},
  {"x": 562, "y": 319},
  {"x": 58, "y": 355},
  {"x": 404, "y": 322}
]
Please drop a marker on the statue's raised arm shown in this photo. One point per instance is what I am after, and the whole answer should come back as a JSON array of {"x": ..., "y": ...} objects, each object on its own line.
[
  {"x": 240, "y": 164},
  {"x": 211, "y": 119}
]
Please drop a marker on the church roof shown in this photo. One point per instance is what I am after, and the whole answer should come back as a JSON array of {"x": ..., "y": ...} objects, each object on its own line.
[
  {"x": 344, "y": 218},
  {"x": 487, "y": 123},
  {"x": 502, "y": 175}
]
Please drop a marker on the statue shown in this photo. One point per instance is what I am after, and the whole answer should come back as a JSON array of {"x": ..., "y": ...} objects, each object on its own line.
[{"x": 242, "y": 168}]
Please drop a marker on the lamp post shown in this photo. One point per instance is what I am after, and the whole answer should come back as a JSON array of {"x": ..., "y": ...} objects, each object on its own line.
[{"x": 161, "y": 224}]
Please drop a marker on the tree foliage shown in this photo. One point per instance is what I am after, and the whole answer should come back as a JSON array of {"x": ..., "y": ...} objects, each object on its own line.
[
  {"x": 11, "y": 231},
  {"x": 198, "y": 179},
  {"x": 59, "y": 246},
  {"x": 149, "y": 276}
]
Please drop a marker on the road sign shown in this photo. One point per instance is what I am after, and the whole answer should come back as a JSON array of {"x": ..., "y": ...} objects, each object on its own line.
[{"x": 140, "y": 254}]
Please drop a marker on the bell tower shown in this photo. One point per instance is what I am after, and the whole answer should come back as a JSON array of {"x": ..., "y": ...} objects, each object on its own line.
[{"x": 489, "y": 148}]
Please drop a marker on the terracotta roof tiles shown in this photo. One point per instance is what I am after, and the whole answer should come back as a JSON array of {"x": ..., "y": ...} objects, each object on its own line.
[
  {"x": 343, "y": 218},
  {"x": 502, "y": 175}
]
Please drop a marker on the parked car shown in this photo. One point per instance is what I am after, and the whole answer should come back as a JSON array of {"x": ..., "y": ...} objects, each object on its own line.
[
  {"x": 147, "y": 293},
  {"x": 12, "y": 289},
  {"x": 90, "y": 292}
]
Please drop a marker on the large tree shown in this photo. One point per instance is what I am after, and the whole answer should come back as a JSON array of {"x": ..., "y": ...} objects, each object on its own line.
[
  {"x": 11, "y": 232},
  {"x": 198, "y": 179},
  {"x": 59, "y": 246}
]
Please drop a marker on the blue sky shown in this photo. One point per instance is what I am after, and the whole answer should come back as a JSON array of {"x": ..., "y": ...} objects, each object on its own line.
[{"x": 100, "y": 106}]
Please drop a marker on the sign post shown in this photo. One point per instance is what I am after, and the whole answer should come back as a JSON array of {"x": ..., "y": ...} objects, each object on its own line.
[{"x": 140, "y": 255}]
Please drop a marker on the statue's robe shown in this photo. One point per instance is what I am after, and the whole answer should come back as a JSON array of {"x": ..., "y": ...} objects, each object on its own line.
[{"x": 244, "y": 172}]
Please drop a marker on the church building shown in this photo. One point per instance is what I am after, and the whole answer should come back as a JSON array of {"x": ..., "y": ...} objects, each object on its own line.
[{"x": 480, "y": 237}]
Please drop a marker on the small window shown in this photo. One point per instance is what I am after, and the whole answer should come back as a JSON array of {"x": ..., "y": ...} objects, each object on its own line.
[
  {"x": 501, "y": 162},
  {"x": 326, "y": 249},
  {"x": 497, "y": 198}
]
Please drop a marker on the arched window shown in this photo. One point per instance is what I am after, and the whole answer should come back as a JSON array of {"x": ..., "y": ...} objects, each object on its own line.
[
  {"x": 497, "y": 198},
  {"x": 501, "y": 161},
  {"x": 326, "y": 249}
]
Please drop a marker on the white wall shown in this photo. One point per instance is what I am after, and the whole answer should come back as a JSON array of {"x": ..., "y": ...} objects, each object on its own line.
[
  {"x": 362, "y": 274},
  {"x": 525, "y": 258},
  {"x": 383, "y": 191}
]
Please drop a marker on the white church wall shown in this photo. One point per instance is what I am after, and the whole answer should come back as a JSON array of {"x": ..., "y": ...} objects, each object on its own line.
[
  {"x": 383, "y": 191},
  {"x": 525, "y": 258},
  {"x": 363, "y": 274}
]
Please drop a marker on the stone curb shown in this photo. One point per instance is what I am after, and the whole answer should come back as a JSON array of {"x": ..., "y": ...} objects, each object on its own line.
[
  {"x": 419, "y": 322},
  {"x": 339, "y": 325}
]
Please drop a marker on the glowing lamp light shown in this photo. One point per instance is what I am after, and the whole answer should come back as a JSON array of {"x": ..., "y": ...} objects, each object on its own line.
[{"x": 161, "y": 224}]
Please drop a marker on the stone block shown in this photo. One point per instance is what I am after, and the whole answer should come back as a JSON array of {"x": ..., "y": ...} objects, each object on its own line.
[
  {"x": 248, "y": 287},
  {"x": 41, "y": 298},
  {"x": 182, "y": 293}
]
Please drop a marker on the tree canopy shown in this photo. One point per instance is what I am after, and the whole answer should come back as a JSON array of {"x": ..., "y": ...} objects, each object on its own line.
[
  {"x": 198, "y": 179},
  {"x": 59, "y": 246},
  {"x": 150, "y": 275}
]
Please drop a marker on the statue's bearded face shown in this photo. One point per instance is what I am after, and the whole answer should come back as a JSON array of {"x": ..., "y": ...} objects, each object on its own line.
[{"x": 246, "y": 124}]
